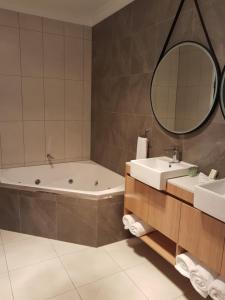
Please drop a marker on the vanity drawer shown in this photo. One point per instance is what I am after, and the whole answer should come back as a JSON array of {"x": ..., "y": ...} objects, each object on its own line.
[
  {"x": 222, "y": 271},
  {"x": 202, "y": 236},
  {"x": 136, "y": 198},
  {"x": 164, "y": 213}
]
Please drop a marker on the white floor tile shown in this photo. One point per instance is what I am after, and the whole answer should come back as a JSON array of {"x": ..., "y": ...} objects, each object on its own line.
[
  {"x": 5, "y": 288},
  {"x": 29, "y": 251},
  {"x": 63, "y": 248},
  {"x": 88, "y": 266},
  {"x": 116, "y": 287},
  {"x": 158, "y": 283},
  {"x": 11, "y": 236},
  {"x": 72, "y": 295},
  {"x": 129, "y": 253},
  {"x": 3, "y": 265},
  {"x": 40, "y": 281}
]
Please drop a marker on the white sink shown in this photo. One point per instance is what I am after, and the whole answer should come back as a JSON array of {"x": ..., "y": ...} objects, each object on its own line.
[
  {"x": 155, "y": 171},
  {"x": 210, "y": 198}
]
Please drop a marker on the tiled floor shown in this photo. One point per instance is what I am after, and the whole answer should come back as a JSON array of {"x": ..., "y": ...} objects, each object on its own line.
[{"x": 33, "y": 268}]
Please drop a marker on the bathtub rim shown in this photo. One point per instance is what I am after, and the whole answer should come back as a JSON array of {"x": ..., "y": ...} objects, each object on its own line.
[{"x": 90, "y": 195}]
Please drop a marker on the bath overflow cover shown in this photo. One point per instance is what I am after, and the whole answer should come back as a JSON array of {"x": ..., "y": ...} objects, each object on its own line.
[{"x": 37, "y": 181}]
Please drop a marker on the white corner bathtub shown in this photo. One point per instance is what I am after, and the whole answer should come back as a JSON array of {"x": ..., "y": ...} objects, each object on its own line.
[
  {"x": 83, "y": 179},
  {"x": 78, "y": 202}
]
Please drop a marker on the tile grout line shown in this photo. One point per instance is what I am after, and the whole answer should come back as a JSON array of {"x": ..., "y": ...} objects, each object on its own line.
[
  {"x": 10, "y": 282},
  {"x": 32, "y": 264},
  {"x": 137, "y": 286},
  {"x": 62, "y": 294},
  {"x": 21, "y": 87},
  {"x": 44, "y": 92},
  {"x": 64, "y": 91},
  {"x": 64, "y": 268},
  {"x": 83, "y": 285}
]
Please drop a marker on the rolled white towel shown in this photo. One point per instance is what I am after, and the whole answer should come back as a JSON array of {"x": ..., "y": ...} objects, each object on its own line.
[
  {"x": 201, "y": 278},
  {"x": 129, "y": 220},
  {"x": 217, "y": 289},
  {"x": 140, "y": 228},
  {"x": 185, "y": 263}
]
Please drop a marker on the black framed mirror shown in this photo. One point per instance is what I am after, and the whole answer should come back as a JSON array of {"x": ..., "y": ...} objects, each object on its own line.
[
  {"x": 184, "y": 87},
  {"x": 222, "y": 92}
]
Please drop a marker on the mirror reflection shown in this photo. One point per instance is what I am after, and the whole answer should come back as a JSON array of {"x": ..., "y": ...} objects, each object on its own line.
[
  {"x": 222, "y": 93},
  {"x": 184, "y": 88}
]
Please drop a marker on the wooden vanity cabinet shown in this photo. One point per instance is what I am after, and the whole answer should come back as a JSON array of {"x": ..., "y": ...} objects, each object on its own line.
[
  {"x": 136, "y": 198},
  {"x": 164, "y": 213},
  {"x": 222, "y": 271},
  {"x": 202, "y": 236},
  {"x": 179, "y": 226},
  {"x": 158, "y": 209}
]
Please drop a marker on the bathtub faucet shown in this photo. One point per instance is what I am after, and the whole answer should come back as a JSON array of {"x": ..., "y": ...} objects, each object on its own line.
[{"x": 50, "y": 158}]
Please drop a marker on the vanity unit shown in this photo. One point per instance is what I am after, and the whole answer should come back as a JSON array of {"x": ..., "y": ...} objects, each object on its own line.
[{"x": 179, "y": 226}]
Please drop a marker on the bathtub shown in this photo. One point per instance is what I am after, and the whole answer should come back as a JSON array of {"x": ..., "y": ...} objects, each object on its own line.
[
  {"x": 57, "y": 202},
  {"x": 83, "y": 179}
]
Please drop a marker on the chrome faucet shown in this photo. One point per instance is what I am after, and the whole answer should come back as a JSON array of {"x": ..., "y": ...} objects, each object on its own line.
[
  {"x": 50, "y": 158},
  {"x": 175, "y": 154}
]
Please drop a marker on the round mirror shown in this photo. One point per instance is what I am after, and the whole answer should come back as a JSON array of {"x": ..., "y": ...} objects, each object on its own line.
[
  {"x": 184, "y": 88},
  {"x": 222, "y": 93}
]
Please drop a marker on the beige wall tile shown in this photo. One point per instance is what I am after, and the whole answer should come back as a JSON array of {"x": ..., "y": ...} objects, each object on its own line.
[
  {"x": 30, "y": 22},
  {"x": 54, "y": 99},
  {"x": 10, "y": 98},
  {"x": 86, "y": 139},
  {"x": 33, "y": 98},
  {"x": 74, "y": 58},
  {"x": 34, "y": 141},
  {"x": 73, "y": 139},
  {"x": 53, "y": 56},
  {"x": 73, "y": 100},
  {"x": 9, "y": 51},
  {"x": 87, "y": 33},
  {"x": 12, "y": 142},
  {"x": 31, "y": 53},
  {"x": 55, "y": 138},
  {"x": 87, "y": 60},
  {"x": 74, "y": 30},
  {"x": 53, "y": 26},
  {"x": 8, "y": 18},
  {"x": 45, "y": 89},
  {"x": 87, "y": 101}
]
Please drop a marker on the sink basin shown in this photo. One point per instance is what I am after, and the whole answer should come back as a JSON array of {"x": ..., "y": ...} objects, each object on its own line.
[
  {"x": 210, "y": 198},
  {"x": 155, "y": 171}
]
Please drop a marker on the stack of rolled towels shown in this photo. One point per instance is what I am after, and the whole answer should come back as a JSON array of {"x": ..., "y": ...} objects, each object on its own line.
[
  {"x": 135, "y": 225},
  {"x": 202, "y": 280}
]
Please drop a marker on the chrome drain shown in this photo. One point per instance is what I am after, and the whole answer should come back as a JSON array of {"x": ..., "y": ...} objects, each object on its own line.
[{"x": 37, "y": 181}]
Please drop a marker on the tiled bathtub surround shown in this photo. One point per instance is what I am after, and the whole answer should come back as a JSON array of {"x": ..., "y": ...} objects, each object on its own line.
[
  {"x": 45, "y": 89},
  {"x": 126, "y": 47},
  {"x": 66, "y": 218}
]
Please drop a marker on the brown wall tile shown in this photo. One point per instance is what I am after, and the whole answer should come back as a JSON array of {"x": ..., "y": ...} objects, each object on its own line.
[
  {"x": 38, "y": 214},
  {"x": 77, "y": 220},
  {"x": 9, "y": 210},
  {"x": 110, "y": 227},
  {"x": 126, "y": 47}
]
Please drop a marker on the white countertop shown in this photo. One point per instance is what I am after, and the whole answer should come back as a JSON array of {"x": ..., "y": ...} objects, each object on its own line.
[{"x": 186, "y": 182}]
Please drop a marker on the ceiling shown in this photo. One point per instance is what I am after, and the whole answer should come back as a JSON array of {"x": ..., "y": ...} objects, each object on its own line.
[{"x": 86, "y": 12}]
